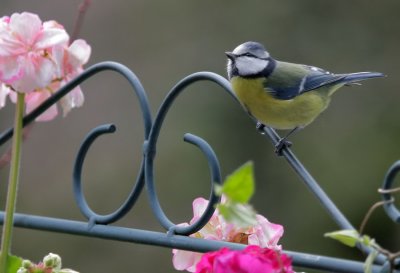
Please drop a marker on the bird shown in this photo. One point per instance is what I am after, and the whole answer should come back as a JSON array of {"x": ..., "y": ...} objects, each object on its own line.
[{"x": 283, "y": 95}]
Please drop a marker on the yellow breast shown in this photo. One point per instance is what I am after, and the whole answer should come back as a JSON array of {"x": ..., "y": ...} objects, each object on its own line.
[{"x": 279, "y": 114}]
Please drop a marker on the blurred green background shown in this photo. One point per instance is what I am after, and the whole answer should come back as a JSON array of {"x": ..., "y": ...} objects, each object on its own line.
[{"x": 348, "y": 149}]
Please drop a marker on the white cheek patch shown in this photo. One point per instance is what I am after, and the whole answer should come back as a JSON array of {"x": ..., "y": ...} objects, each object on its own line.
[{"x": 250, "y": 66}]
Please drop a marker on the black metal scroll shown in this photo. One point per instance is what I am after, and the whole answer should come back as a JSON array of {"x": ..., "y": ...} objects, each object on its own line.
[{"x": 176, "y": 236}]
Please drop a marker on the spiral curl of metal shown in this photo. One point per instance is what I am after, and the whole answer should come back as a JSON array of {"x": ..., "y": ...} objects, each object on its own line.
[
  {"x": 177, "y": 236},
  {"x": 390, "y": 208}
]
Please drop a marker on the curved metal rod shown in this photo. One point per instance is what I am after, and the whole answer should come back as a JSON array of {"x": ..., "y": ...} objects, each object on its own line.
[
  {"x": 147, "y": 120},
  {"x": 309, "y": 181},
  {"x": 150, "y": 150},
  {"x": 216, "y": 179},
  {"x": 390, "y": 207},
  {"x": 124, "y": 234},
  {"x": 151, "y": 135},
  {"x": 316, "y": 189},
  {"x": 80, "y": 199},
  {"x": 94, "y": 69},
  {"x": 213, "y": 199}
]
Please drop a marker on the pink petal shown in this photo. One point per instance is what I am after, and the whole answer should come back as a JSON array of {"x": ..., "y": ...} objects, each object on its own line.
[
  {"x": 5, "y": 20},
  {"x": 10, "y": 69},
  {"x": 51, "y": 37},
  {"x": 199, "y": 206},
  {"x": 251, "y": 264},
  {"x": 52, "y": 24},
  {"x": 185, "y": 260},
  {"x": 25, "y": 26},
  {"x": 57, "y": 56},
  {"x": 37, "y": 72},
  {"x": 10, "y": 45},
  {"x": 72, "y": 100},
  {"x": 209, "y": 260},
  {"x": 4, "y": 91},
  {"x": 266, "y": 233},
  {"x": 78, "y": 53},
  {"x": 34, "y": 99}
]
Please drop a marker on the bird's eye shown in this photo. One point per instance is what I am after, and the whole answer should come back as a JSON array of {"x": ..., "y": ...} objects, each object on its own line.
[{"x": 248, "y": 55}]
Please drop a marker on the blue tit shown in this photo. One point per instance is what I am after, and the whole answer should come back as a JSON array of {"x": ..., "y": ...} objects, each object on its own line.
[{"x": 283, "y": 95}]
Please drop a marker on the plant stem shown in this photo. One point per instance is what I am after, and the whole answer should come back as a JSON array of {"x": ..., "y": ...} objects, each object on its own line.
[
  {"x": 83, "y": 7},
  {"x": 370, "y": 211},
  {"x": 12, "y": 184}
]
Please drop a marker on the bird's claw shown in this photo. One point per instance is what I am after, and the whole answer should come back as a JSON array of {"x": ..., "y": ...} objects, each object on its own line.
[
  {"x": 260, "y": 127},
  {"x": 282, "y": 144}
]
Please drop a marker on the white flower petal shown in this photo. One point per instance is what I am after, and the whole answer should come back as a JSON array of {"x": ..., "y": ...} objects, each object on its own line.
[
  {"x": 10, "y": 69},
  {"x": 78, "y": 53},
  {"x": 72, "y": 100},
  {"x": 37, "y": 72},
  {"x": 185, "y": 260},
  {"x": 51, "y": 37},
  {"x": 57, "y": 55},
  {"x": 26, "y": 26}
]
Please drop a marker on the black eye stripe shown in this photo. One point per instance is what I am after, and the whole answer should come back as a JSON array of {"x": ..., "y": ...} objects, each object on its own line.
[
  {"x": 252, "y": 56},
  {"x": 247, "y": 55}
]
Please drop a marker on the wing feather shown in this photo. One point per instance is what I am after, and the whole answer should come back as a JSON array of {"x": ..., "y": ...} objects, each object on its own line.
[{"x": 296, "y": 79}]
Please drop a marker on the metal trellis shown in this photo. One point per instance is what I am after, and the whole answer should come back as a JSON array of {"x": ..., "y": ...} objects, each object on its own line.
[{"x": 177, "y": 236}]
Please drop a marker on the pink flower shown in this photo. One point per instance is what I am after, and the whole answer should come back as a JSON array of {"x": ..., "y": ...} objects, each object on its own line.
[
  {"x": 263, "y": 234},
  {"x": 37, "y": 59},
  {"x": 73, "y": 59},
  {"x": 24, "y": 46},
  {"x": 253, "y": 259},
  {"x": 69, "y": 61}
]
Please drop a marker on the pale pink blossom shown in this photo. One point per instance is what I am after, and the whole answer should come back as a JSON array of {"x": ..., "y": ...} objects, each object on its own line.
[
  {"x": 25, "y": 42},
  {"x": 37, "y": 59},
  {"x": 71, "y": 61},
  {"x": 252, "y": 259},
  {"x": 263, "y": 234}
]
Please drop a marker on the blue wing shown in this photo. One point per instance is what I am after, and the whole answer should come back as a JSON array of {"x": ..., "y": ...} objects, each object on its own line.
[{"x": 292, "y": 83}]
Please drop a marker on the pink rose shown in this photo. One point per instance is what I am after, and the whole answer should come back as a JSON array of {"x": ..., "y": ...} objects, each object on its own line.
[{"x": 253, "y": 259}]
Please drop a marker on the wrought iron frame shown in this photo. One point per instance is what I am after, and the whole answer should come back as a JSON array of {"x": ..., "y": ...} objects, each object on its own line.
[{"x": 177, "y": 236}]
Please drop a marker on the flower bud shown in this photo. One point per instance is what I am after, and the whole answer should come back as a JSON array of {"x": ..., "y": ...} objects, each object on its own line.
[
  {"x": 52, "y": 261},
  {"x": 22, "y": 270},
  {"x": 26, "y": 264}
]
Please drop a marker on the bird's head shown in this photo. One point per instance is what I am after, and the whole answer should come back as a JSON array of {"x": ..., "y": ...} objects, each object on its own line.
[{"x": 249, "y": 59}]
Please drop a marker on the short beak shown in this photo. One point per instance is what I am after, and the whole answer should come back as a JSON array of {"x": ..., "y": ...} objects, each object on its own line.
[{"x": 230, "y": 55}]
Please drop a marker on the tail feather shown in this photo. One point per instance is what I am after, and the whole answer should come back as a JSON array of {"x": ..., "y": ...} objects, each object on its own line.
[{"x": 354, "y": 78}]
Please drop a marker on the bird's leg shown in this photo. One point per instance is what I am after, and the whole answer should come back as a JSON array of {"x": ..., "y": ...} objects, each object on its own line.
[{"x": 284, "y": 143}]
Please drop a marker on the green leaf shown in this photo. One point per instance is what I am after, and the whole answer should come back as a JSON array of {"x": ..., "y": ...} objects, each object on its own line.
[
  {"x": 349, "y": 237},
  {"x": 241, "y": 215},
  {"x": 13, "y": 263},
  {"x": 239, "y": 186},
  {"x": 370, "y": 261}
]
